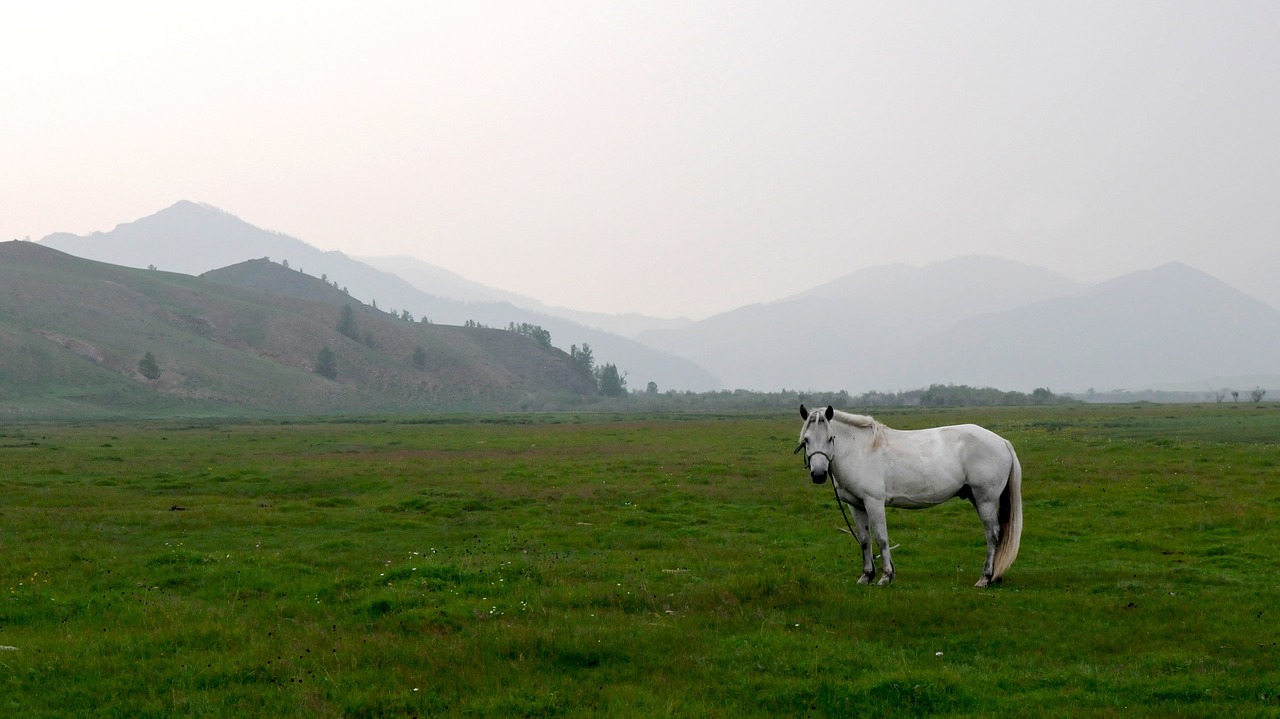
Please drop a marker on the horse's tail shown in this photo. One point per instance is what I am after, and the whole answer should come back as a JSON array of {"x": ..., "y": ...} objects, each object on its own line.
[{"x": 1010, "y": 518}]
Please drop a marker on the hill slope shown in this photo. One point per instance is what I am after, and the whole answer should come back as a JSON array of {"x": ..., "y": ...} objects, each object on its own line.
[
  {"x": 72, "y": 332},
  {"x": 193, "y": 238}
]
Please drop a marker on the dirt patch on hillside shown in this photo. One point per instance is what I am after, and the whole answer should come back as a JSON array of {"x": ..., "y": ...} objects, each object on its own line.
[{"x": 80, "y": 347}]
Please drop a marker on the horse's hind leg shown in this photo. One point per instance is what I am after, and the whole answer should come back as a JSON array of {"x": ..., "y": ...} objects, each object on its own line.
[
  {"x": 864, "y": 541},
  {"x": 989, "y": 513}
]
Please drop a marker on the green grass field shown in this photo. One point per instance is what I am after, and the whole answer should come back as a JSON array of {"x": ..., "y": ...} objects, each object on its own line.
[{"x": 628, "y": 566}]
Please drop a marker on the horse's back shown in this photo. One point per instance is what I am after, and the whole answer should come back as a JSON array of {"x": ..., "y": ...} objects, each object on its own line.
[
  {"x": 977, "y": 443},
  {"x": 962, "y": 442},
  {"x": 933, "y": 465}
]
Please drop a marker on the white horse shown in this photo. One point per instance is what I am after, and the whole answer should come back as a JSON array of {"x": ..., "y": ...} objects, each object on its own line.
[{"x": 873, "y": 467}]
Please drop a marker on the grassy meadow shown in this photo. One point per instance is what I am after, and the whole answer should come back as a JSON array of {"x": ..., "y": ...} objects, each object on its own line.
[{"x": 628, "y": 565}]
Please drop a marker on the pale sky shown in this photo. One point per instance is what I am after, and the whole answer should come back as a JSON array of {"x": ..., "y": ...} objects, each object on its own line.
[{"x": 670, "y": 158}]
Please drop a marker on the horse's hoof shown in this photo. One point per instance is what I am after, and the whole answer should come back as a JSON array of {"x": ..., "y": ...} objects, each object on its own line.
[
  {"x": 986, "y": 582},
  {"x": 866, "y": 578},
  {"x": 884, "y": 581}
]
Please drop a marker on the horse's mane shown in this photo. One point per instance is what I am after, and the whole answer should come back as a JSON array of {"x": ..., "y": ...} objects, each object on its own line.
[
  {"x": 857, "y": 420},
  {"x": 862, "y": 421}
]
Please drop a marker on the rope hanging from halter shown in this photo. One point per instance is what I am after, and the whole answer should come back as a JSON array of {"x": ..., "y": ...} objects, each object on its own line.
[{"x": 831, "y": 470}]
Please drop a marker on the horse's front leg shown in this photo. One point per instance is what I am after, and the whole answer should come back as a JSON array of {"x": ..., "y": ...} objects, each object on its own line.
[
  {"x": 880, "y": 530},
  {"x": 864, "y": 541}
]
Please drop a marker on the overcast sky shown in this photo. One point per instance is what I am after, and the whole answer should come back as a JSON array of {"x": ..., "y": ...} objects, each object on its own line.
[{"x": 671, "y": 158}]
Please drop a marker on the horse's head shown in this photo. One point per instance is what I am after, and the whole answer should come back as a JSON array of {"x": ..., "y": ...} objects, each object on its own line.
[{"x": 817, "y": 442}]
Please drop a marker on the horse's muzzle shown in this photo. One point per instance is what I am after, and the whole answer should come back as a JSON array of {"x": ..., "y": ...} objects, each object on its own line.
[{"x": 819, "y": 476}]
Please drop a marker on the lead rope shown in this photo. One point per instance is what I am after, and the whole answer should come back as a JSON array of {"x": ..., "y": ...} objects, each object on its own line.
[{"x": 831, "y": 470}]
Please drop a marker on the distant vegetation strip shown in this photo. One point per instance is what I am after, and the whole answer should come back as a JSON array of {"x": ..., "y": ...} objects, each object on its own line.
[{"x": 934, "y": 396}]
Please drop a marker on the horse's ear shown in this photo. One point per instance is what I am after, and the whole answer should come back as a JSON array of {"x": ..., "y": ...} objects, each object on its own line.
[
  {"x": 804, "y": 413},
  {"x": 830, "y": 411}
]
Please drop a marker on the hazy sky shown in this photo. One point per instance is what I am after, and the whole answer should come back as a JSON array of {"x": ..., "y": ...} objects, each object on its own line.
[{"x": 671, "y": 158}]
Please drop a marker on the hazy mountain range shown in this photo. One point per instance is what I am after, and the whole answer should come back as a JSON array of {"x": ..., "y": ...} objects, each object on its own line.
[
  {"x": 971, "y": 320},
  {"x": 192, "y": 238},
  {"x": 984, "y": 321}
]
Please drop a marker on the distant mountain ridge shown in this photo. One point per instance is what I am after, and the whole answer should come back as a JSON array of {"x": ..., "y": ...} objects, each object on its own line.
[
  {"x": 193, "y": 238},
  {"x": 841, "y": 335},
  {"x": 1168, "y": 325},
  {"x": 453, "y": 286},
  {"x": 187, "y": 237}
]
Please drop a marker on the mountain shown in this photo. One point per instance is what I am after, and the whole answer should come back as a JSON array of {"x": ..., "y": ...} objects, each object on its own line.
[
  {"x": 192, "y": 238},
  {"x": 439, "y": 281},
  {"x": 73, "y": 332},
  {"x": 187, "y": 237},
  {"x": 983, "y": 321},
  {"x": 1166, "y": 326},
  {"x": 842, "y": 334}
]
